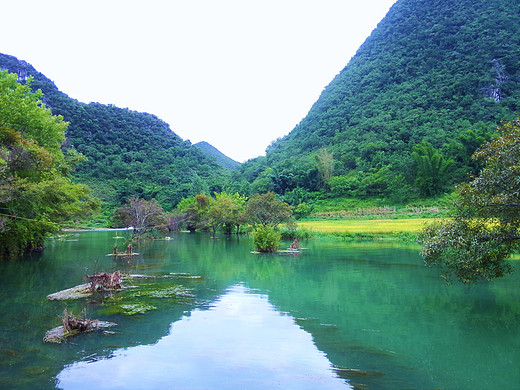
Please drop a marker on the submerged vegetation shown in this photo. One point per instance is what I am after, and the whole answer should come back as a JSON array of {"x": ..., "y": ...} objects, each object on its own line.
[{"x": 116, "y": 298}]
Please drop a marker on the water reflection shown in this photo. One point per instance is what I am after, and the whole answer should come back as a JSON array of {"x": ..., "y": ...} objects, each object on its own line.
[{"x": 240, "y": 342}]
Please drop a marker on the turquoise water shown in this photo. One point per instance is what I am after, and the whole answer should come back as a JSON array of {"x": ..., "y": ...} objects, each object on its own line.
[{"x": 340, "y": 315}]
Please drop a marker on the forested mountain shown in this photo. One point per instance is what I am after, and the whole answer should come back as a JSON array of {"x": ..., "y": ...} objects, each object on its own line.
[
  {"x": 427, "y": 87},
  {"x": 221, "y": 158},
  {"x": 401, "y": 120},
  {"x": 127, "y": 152}
]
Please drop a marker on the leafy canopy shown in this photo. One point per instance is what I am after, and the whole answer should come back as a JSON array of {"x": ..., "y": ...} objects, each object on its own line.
[
  {"x": 266, "y": 238},
  {"x": 265, "y": 209}
]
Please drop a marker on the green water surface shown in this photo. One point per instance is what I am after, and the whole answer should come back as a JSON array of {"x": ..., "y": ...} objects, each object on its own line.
[{"x": 338, "y": 315}]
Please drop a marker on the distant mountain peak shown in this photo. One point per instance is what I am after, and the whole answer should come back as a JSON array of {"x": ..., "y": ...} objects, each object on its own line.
[{"x": 223, "y": 160}]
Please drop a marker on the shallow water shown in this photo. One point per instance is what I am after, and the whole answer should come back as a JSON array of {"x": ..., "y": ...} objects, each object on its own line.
[{"x": 339, "y": 315}]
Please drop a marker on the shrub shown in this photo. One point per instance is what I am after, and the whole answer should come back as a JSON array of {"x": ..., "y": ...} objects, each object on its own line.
[
  {"x": 266, "y": 239},
  {"x": 302, "y": 210}
]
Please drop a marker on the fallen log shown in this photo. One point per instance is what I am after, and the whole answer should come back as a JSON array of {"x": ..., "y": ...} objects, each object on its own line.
[
  {"x": 98, "y": 283},
  {"x": 81, "y": 291}
]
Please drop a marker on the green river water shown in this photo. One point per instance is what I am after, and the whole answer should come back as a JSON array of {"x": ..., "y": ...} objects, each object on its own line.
[{"x": 339, "y": 315}]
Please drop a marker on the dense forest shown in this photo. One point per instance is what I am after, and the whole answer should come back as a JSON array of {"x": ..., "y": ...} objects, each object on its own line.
[
  {"x": 127, "y": 153},
  {"x": 403, "y": 117}
]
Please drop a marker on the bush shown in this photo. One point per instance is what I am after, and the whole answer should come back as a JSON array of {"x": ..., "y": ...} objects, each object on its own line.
[
  {"x": 266, "y": 239},
  {"x": 302, "y": 210}
]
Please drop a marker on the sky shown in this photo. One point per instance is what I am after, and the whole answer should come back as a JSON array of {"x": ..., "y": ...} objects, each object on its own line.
[{"x": 235, "y": 73}]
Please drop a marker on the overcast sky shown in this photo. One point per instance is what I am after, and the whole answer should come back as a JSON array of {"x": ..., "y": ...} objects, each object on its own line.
[{"x": 235, "y": 73}]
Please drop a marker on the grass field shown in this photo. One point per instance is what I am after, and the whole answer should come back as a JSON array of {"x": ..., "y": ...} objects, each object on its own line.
[{"x": 374, "y": 226}]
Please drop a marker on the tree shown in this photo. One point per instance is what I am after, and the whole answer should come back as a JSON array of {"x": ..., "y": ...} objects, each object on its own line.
[
  {"x": 265, "y": 209},
  {"x": 36, "y": 191},
  {"x": 432, "y": 169},
  {"x": 194, "y": 212},
  {"x": 484, "y": 229},
  {"x": 325, "y": 165},
  {"x": 226, "y": 210},
  {"x": 143, "y": 215}
]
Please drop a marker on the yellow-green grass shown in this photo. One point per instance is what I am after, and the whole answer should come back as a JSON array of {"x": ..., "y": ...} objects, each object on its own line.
[{"x": 374, "y": 226}]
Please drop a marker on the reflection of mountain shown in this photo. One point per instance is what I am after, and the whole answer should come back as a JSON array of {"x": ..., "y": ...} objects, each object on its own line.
[{"x": 240, "y": 342}]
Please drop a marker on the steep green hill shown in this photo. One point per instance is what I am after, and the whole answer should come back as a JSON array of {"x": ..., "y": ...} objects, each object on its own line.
[
  {"x": 223, "y": 160},
  {"x": 443, "y": 71},
  {"x": 128, "y": 153}
]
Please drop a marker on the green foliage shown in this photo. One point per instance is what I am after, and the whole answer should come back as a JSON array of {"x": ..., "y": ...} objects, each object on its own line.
[
  {"x": 302, "y": 210},
  {"x": 36, "y": 193},
  {"x": 325, "y": 165},
  {"x": 300, "y": 234},
  {"x": 483, "y": 230},
  {"x": 266, "y": 238},
  {"x": 265, "y": 209},
  {"x": 227, "y": 210},
  {"x": 223, "y": 160},
  {"x": 204, "y": 213},
  {"x": 342, "y": 185}
]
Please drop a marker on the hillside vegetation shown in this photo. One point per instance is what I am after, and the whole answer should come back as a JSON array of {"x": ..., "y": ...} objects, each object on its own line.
[
  {"x": 127, "y": 153},
  {"x": 402, "y": 119},
  {"x": 223, "y": 160}
]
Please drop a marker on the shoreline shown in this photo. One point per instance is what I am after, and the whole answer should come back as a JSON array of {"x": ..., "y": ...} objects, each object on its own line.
[{"x": 94, "y": 229}]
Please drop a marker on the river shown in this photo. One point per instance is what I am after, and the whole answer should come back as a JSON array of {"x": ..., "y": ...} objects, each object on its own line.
[{"x": 338, "y": 315}]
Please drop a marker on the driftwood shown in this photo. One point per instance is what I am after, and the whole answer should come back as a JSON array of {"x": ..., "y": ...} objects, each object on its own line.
[
  {"x": 105, "y": 281},
  {"x": 57, "y": 335},
  {"x": 295, "y": 245},
  {"x": 81, "y": 291},
  {"x": 72, "y": 323},
  {"x": 98, "y": 283},
  {"x": 72, "y": 326},
  {"x": 128, "y": 252}
]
